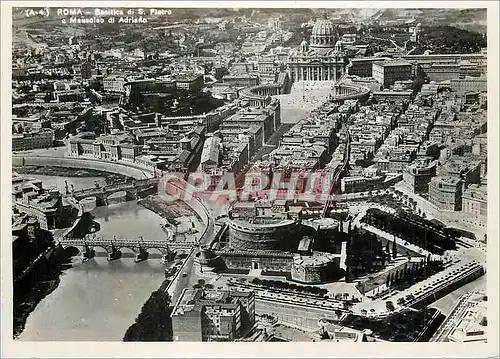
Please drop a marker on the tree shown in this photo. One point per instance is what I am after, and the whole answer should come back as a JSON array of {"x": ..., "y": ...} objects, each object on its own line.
[
  {"x": 396, "y": 278},
  {"x": 405, "y": 272},
  {"x": 390, "y": 306},
  {"x": 325, "y": 335},
  {"x": 413, "y": 274},
  {"x": 257, "y": 281},
  {"x": 154, "y": 322},
  {"x": 449, "y": 39}
]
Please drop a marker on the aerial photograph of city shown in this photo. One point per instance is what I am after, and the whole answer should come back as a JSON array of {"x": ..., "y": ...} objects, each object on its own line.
[{"x": 249, "y": 174}]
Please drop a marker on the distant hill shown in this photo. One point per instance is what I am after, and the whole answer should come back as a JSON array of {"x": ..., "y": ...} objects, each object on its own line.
[
  {"x": 450, "y": 39},
  {"x": 468, "y": 19},
  {"x": 392, "y": 14},
  {"x": 22, "y": 37}
]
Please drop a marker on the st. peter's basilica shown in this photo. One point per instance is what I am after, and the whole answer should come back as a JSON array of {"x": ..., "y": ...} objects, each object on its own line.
[{"x": 322, "y": 59}]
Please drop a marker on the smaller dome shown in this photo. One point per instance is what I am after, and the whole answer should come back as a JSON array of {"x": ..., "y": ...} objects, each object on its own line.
[
  {"x": 304, "y": 46},
  {"x": 339, "y": 46}
]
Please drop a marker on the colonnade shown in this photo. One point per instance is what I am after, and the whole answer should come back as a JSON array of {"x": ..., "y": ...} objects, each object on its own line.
[
  {"x": 316, "y": 73},
  {"x": 343, "y": 91},
  {"x": 266, "y": 90}
]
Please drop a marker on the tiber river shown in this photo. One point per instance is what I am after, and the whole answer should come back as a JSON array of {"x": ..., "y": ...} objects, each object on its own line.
[{"x": 98, "y": 300}]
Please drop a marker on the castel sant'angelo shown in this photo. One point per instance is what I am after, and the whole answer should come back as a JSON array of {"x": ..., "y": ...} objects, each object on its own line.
[{"x": 277, "y": 237}]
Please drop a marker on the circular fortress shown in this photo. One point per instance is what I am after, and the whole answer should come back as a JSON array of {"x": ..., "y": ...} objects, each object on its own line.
[{"x": 262, "y": 225}]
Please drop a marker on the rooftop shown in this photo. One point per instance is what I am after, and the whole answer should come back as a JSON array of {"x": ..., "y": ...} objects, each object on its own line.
[
  {"x": 393, "y": 63},
  {"x": 211, "y": 150},
  {"x": 446, "y": 180},
  {"x": 315, "y": 259},
  {"x": 211, "y": 300}
]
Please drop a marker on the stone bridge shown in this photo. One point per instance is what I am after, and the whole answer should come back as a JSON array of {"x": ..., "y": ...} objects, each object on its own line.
[
  {"x": 113, "y": 246},
  {"x": 133, "y": 190}
]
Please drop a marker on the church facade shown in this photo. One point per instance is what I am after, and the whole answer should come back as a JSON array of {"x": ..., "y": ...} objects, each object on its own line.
[{"x": 323, "y": 59}]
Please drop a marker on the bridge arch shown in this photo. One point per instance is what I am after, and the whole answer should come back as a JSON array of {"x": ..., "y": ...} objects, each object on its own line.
[
  {"x": 72, "y": 251},
  {"x": 158, "y": 250},
  {"x": 116, "y": 247}
]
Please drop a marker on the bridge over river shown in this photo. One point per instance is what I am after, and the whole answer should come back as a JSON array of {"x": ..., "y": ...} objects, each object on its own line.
[
  {"x": 133, "y": 189},
  {"x": 113, "y": 246}
]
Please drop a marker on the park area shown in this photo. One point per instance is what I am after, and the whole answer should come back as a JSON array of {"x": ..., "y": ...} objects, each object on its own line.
[{"x": 169, "y": 210}]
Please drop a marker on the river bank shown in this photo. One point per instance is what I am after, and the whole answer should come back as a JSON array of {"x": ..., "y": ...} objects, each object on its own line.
[
  {"x": 168, "y": 210},
  {"x": 32, "y": 290},
  {"x": 23, "y": 309},
  {"x": 109, "y": 177}
]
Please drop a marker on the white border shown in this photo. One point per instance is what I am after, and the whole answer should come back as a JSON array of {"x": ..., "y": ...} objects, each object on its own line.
[{"x": 12, "y": 348}]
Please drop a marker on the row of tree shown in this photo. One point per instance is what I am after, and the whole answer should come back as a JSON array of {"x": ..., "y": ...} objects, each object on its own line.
[
  {"x": 391, "y": 250},
  {"x": 418, "y": 233},
  {"x": 290, "y": 286},
  {"x": 365, "y": 254},
  {"x": 413, "y": 273}
]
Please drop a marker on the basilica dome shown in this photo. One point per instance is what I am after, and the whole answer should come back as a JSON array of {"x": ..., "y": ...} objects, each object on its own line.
[{"x": 323, "y": 33}]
